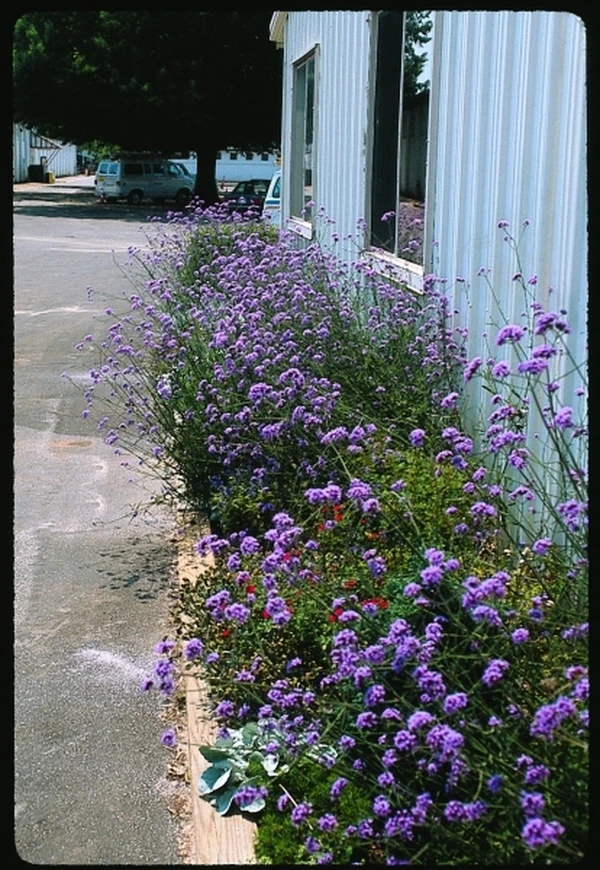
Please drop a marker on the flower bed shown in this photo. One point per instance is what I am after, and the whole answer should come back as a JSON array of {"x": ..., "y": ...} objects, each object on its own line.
[{"x": 394, "y": 644}]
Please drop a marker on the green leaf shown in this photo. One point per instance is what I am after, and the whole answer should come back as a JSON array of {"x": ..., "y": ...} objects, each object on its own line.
[
  {"x": 214, "y": 777},
  {"x": 213, "y": 754},
  {"x": 256, "y": 806},
  {"x": 249, "y": 732},
  {"x": 223, "y": 800}
]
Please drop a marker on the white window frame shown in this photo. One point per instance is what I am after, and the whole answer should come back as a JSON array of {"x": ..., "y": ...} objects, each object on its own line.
[{"x": 298, "y": 222}]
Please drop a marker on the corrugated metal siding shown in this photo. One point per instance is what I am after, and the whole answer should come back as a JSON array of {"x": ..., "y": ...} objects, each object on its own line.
[
  {"x": 21, "y": 138},
  {"x": 29, "y": 149},
  {"x": 508, "y": 138},
  {"x": 342, "y": 111},
  {"x": 61, "y": 161}
]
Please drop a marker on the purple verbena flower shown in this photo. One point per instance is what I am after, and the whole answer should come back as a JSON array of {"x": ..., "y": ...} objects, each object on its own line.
[
  {"x": 537, "y": 833},
  {"x": 416, "y": 437},
  {"x": 511, "y": 332},
  {"x": 494, "y": 672}
]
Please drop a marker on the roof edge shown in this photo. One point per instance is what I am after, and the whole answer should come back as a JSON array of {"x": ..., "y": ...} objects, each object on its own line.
[{"x": 277, "y": 27}]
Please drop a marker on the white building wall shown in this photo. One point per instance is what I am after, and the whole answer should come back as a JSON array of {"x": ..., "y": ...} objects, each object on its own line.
[
  {"x": 508, "y": 143},
  {"x": 60, "y": 159},
  {"x": 242, "y": 169},
  {"x": 342, "y": 100},
  {"x": 21, "y": 137}
]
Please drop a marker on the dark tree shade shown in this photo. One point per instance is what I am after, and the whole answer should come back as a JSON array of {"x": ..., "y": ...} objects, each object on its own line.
[{"x": 165, "y": 81}]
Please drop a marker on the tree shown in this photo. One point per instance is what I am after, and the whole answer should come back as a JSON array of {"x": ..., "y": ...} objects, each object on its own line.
[
  {"x": 165, "y": 81},
  {"x": 418, "y": 34}
]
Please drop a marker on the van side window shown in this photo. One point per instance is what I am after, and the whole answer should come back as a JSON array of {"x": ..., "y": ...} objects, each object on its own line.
[
  {"x": 159, "y": 169},
  {"x": 133, "y": 169},
  {"x": 147, "y": 168}
]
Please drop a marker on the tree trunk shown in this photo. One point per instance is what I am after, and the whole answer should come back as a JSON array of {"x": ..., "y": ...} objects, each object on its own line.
[{"x": 206, "y": 185}]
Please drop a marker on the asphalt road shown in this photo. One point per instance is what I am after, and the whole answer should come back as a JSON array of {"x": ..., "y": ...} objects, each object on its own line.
[{"x": 92, "y": 581}]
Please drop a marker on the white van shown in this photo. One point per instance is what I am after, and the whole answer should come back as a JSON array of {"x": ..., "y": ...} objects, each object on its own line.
[
  {"x": 272, "y": 205},
  {"x": 135, "y": 179}
]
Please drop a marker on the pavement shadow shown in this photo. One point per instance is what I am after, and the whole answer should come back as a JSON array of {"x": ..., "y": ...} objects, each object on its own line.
[
  {"x": 81, "y": 203},
  {"x": 145, "y": 569}
]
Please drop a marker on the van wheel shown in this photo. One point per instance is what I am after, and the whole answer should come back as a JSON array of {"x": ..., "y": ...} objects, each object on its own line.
[
  {"x": 183, "y": 196},
  {"x": 135, "y": 197}
]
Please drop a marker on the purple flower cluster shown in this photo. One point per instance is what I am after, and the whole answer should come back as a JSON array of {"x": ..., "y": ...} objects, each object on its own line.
[{"x": 549, "y": 717}]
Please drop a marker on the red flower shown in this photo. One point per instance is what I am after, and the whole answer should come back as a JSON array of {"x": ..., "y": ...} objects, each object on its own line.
[
  {"x": 250, "y": 589},
  {"x": 333, "y": 617},
  {"x": 266, "y": 614},
  {"x": 225, "y": 632},
  {"x": 379, "y": 602},
  {"x": 349, "y": 584}
]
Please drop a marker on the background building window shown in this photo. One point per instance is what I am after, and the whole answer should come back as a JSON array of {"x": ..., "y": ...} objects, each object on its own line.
[
  {"x": 401, "y": 113},
  {"x": 303, "y": 128}
]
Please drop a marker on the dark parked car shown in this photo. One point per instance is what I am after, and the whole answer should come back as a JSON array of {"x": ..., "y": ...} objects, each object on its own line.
[{"x": 247, "y": 194}]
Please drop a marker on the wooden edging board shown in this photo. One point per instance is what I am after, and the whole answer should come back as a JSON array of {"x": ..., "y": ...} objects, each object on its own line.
[{"x": 216, "y": 839}]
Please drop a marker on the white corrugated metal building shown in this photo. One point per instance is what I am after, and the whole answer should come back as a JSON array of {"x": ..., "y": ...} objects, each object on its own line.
[
  {"x": 504, "y": 96},
  {"x": 31, "y": 149}
]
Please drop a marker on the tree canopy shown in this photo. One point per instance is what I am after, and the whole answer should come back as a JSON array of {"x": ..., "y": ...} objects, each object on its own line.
[{"x": 166, "y": 81}]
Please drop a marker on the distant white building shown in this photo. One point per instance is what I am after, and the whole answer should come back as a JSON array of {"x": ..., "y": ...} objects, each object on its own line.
[
  {"x": 31, "y": 149},
  {"x": 232, "y": 166}
]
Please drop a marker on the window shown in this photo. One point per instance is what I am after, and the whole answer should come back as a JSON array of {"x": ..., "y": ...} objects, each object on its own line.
[
  {"x": 249, "y": 155},
  {"x": 233, "y": 155},
  {"x": 303, "y": 130},
  {"x": 400, "y": 122},
  {"x": 264, "y": 157},
  {"x": 133, "y": 169}
]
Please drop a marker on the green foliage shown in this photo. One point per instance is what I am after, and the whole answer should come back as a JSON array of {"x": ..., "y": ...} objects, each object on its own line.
[
  {"x": 236, "y": 761},
  {"x": 278, "y": 842}
]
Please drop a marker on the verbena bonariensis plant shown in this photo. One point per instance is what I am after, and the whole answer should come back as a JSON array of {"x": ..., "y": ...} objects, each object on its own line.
[
  {"x": 535, "y": 434},
  {"x": 243, "y": 357},
  {"x": 460, "y": 724}
]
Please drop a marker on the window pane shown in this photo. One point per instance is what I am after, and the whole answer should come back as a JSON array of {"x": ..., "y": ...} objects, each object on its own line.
[
  {"x": 384, "y": 172},
  {"x": 401, "y": 112},
  {"x": 308, "y": 137},
  {"x": 414, "y": 134},
  {"x": 302, "y": 157}
]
